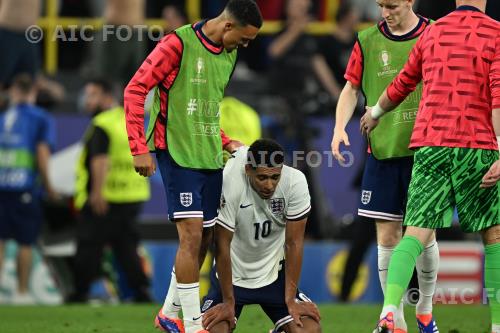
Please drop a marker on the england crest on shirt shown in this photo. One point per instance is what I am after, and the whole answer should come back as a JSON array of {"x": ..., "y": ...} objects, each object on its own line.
[
  {"x": 186, "y": 198},
  {"x": 277, "y": 206},
  {"x": 366, "y": 197}
]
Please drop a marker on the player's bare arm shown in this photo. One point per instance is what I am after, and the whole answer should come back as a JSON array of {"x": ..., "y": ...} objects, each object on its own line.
[
  {"x": 225, "y": 310},
  {"x": 345, "y": 109},
  {"x": 294, "y": 246}
]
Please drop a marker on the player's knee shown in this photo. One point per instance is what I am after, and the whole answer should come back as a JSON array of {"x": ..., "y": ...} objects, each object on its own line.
[
  {"x": 191, "y": 247},
  {"x": 221, "y": 327},
  {"x": 389, "y": 239},
  {"x": 190, "y": 235},
  {"x": 312, "y": 328},
  {"x": 491, "y": 235},
  {"x": 309, "y": 326}
]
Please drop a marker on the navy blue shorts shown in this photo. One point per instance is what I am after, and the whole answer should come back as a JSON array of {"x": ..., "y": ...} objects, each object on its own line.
[
  {"x": 271, "y": 299},
  {"x": 20, "y": 217},
  {"x": 190, "y": 192},
  {"x": 384, "y": 189}
]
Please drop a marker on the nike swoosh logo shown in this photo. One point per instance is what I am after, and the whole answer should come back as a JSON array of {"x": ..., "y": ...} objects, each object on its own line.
[
  {"x": 173, "y": 303},
  {"x": 195, "y": 319},
  {"x": 242, "y": 206},
  {"x": 425, "y": 272}
]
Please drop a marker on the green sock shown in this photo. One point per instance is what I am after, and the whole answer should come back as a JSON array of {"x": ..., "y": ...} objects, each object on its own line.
[
  {"x": 401, "y": 268},
  {"x": 492, "y": 279}
]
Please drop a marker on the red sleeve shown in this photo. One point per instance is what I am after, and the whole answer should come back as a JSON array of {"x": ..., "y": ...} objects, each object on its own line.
[
  {"x": 225, "y": 138},
  {"x": 158, "y": 65},
  {"x": 495, "y": 76},
  {"x": 354, "y": 70},
  {"x": 409, "y": 77}
]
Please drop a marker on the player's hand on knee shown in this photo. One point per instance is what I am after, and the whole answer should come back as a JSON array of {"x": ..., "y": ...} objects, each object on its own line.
[
  {"x": 299, "y": 309},
  {"x": 220, "y": 312}
]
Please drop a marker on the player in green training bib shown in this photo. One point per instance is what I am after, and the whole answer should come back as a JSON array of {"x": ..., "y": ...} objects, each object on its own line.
[
  {"x": 378, "y": 55},
  {"x": 189, "y": 70}
]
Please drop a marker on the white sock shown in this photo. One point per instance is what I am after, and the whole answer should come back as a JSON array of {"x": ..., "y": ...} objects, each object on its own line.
[
  {"x": 172, "y": 304},
  {"x": 495, "y": 328},
  {"x": 384, "y": 257},
  {"x": 427, "y": 269},
  {"x": 189, "y": 294}
]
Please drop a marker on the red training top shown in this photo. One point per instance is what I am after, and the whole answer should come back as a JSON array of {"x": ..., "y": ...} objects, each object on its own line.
[{"x": 458, "y": 57}]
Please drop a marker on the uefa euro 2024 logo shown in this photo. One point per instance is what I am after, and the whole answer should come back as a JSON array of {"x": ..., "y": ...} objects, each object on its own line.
[
  {"x": 385, "y": 58},
  {"x": 200, "y": 65},
  {"x": 200, "y": 72}
]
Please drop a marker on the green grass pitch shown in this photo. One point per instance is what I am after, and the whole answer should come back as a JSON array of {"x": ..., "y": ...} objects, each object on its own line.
[{"x": 139, "y": 319}]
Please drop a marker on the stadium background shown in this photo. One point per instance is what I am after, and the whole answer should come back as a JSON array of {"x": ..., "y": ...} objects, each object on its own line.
[{"x": 335, "y": 189}]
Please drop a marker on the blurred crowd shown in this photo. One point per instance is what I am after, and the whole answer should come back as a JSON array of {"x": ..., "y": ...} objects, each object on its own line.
[{"x": 318, "y": 60}]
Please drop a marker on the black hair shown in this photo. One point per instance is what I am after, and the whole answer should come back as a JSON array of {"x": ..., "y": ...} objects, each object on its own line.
[
  {"x": 265, "y": 153},
  {"x": 246, "y": 12},
  {"x": 107, "y": 86},
  {"x": 23, "y": 82}
]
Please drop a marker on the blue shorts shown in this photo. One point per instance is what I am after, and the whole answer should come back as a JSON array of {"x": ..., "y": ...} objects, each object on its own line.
[
  {"x": 384, "y": 189},
  {"x": 271, "y": 298},
  {"x": 20, "y": 217},
  {"x": 190, "y": 192}
]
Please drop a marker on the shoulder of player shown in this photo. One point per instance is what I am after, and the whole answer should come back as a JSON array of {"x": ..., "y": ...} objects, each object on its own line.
[
  {"x": 494, "y": 23},
  {"x": 233, "y": 182},
  {"x": 236, "y": 162},
  {"x": 456, "y": 17},
  {"x": 233, "y": 174},
  {"x": 172, "y": 43},
  {"x": 291, "y": 176}
]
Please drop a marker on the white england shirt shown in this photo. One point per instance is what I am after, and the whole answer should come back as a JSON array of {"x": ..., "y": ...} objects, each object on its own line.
[{"x": 259, "y": 224}]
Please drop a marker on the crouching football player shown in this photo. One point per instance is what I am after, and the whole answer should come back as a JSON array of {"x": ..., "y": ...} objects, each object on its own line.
[{"x": 259, "y": 243}]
